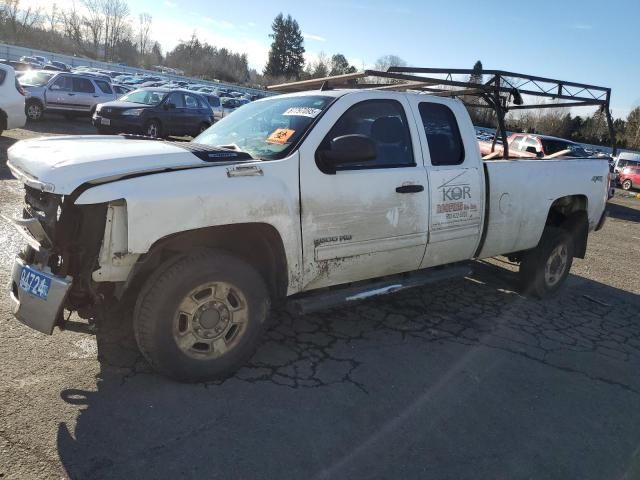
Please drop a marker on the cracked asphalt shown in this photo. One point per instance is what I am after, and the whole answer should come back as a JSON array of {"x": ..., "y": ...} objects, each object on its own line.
[{"x": 462, "y": 380}]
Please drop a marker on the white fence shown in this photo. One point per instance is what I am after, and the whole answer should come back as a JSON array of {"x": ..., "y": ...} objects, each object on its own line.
[{"x": 12, "y": 52}]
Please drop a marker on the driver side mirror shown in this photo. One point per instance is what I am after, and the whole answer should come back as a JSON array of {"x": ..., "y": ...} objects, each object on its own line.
[
  {"x": 169, "y": 106},
  {"x": 346, "y": 149}
]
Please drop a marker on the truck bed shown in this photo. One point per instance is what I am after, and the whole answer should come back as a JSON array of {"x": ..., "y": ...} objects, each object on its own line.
[{"x": 518, "y": 207}]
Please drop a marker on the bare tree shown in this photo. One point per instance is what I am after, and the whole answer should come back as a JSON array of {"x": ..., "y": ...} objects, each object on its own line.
[
  {"x": 72, "y": 24},
  {"x": 115, "y": 16},
  {"x": 53, "y": 17},
  {"x": 93, "y": 21},
  {"x": 144, "y": 32}
]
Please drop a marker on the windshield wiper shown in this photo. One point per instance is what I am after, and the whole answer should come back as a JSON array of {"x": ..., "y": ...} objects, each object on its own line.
[{"x": 235, "y": 148}]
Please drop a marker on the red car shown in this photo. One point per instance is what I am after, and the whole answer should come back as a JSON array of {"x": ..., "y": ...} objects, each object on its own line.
[
  {"x": 523, "y": 145},
  {"x": 629, "y": 177}
]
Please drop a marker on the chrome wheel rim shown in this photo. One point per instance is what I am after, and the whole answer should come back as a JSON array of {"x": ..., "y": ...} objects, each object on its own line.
[
  {"x": 152, "y": 130},
  {"x": 556, "y": 265},
  {"x": 626, "y": 185},
  {"x": 210, "y": 320},
  {"x": 34, "y": 112}
]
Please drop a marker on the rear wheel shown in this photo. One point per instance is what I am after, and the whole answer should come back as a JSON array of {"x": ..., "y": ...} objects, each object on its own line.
[
  {"x": 34, "y": 111},
  {"x": 153, "y": 129},
  {"x": 544, "y": 270},
  {"x": 201, "y": 317},
  {"x": 626, "y": 185}
]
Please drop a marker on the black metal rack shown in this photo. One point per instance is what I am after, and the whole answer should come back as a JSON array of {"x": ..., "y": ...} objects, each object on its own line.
[{"x": 502, "y": 92}]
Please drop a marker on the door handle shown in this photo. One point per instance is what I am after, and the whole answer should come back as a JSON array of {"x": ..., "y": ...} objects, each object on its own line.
[
  {"x": 409, "y": 189},
  {"x": 96, "y": 96},
  {"x": 71, "y": 94}
]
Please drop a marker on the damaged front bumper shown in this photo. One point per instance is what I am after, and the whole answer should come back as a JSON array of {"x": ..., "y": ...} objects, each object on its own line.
[{"x": 38, "y": 311}]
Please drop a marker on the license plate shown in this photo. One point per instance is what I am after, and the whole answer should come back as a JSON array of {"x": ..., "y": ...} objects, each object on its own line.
[
  {"x": 105, "y": 121},
  {"x": 34, "y": 282}
]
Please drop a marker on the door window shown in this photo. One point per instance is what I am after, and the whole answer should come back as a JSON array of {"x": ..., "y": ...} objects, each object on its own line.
[
  {"x": 176, "y": 99},
  {"x": 104, "y": 86},
  {"x": 383, "y": 121},
  {"x": 83, "y": 85},
  {"x": 190, "y": 101},
  {"x": 517, "y": 143},
  {"x": 62, "y": 84},
  {"x": 443, "y": 134}
]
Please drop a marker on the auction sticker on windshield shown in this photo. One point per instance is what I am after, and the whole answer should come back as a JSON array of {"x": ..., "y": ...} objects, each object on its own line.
[
  {"x": 302, "y": 112},
  {"x": 281, "y": 136}
]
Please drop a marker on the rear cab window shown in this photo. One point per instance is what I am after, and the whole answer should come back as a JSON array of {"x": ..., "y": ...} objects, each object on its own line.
[{"x": 443, "y": 134}]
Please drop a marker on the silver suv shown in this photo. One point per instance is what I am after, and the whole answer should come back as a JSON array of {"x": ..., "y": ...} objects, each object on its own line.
[{"x": 67, "y": 93}]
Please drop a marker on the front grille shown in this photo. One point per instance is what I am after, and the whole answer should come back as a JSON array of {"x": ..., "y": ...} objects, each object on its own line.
[
  {"x": 43, "y": 206},
  {"x": 110, "y": 112}
]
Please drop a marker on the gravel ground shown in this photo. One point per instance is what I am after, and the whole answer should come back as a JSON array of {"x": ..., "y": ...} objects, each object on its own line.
[{"x": 466, "y": 379}]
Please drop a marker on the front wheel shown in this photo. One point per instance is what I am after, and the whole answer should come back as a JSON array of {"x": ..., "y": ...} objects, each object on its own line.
[
  {"x": 544, "y": 270},
  {"x": 201, "y": 317},
  {"x": 626, "y": 185},
  {"x": 152, "y": 129}
]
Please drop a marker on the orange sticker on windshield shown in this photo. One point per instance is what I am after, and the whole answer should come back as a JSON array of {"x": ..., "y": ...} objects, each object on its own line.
[{"x": 281, "y": 136}]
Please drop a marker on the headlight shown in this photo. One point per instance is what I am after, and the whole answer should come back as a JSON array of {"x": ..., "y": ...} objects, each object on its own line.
[
  {"x": 133, "y": 112},
  {"x": 98, "y": 108}
]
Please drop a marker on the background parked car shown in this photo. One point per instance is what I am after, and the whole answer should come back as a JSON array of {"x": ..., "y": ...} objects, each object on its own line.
[
  {"x": 629, "y": 177},
  {"x": 61, "y": 65},
  {"x": 11, "y": 100},
  {"x": 67, "y": 93},
  {"x": 156, "y": 112}
]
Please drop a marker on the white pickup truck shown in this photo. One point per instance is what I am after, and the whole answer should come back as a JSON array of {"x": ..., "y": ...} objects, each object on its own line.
[{"x": 307, "y": 199}]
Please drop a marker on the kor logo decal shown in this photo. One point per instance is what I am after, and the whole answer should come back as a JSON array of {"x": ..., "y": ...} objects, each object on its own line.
[{"x": 455, "y": 191}]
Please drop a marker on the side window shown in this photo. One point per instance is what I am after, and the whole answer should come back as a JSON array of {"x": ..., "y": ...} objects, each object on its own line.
[
  {"x": 3, "y": 75},
  {"x": 443, "y": 135},
  {"x": 176, "y": 99},
  {"x": 214, "y": 101},
  {"x": 190, "y": 101},
  {"x": 531, "y": 142},
  {"x": 62, "y": 83},
  {"x": 104, "y": 86},
  {"x": 83, "y": 85},
  {"x": 385, "y": 122}
]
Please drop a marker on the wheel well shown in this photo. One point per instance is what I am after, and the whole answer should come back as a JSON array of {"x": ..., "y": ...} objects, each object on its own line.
[
  {"x": 259, "y": 244},
  {"x": 570, "y": 213},
  {"x": 35, "y": 100}
]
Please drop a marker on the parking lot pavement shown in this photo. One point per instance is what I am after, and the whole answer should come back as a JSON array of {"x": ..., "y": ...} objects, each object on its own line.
[{"x": 467, "y": 379}]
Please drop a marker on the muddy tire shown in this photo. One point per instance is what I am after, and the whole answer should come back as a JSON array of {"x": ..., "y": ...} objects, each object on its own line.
[
  {"x": 201, "y": 316},
  {"x": 544, "y": 270}
]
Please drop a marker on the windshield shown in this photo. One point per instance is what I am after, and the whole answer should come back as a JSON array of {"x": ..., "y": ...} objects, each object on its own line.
[
  {"x": 35, "y": 79},
  {"x": 266, "y": 129},
  {"x": 145, "y": 97}
]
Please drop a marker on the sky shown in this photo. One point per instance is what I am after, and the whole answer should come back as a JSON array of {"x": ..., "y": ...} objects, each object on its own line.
[{"x": 586, "y": 41}]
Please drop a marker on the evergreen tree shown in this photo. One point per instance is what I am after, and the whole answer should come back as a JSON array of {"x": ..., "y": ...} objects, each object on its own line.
[
  {"x": 286, "y": 56},
  {"x": 476, "y": 74},
  {"x": 340, "y": 65}
]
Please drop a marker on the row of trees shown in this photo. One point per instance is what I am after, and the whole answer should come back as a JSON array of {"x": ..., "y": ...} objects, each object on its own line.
[{"x": 106, "y": 30}]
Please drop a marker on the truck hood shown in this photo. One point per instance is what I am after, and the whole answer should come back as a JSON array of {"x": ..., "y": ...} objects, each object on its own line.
[{"x": 61, "y": 164}]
